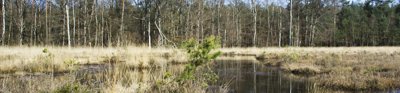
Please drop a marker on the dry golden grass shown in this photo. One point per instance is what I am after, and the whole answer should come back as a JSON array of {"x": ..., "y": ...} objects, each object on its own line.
[
  {"x": 128, "y": 69},
  {"x": 32, "y": 59},
  {"x": 352, "y": 68},
  {"x": 108, "y": 79}
]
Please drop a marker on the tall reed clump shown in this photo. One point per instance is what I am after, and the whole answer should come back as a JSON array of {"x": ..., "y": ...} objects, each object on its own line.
[{"x": 197, "y": 73}]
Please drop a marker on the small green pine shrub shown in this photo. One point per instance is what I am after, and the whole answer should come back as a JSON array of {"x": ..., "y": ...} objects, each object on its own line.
[
  {"x": 70, "y": 63},
  {"x": 197, "y": 74},
  {"x": 45, "y": 50},
  {"x": 44, "y": 63},
  {"x": 48, "y": 57},
  {"x": 199, "y": 54}
]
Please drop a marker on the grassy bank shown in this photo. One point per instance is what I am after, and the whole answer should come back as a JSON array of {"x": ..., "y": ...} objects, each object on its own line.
[
  {"x": 349, "y": 68},
  {"x": 59, "y": 59}
]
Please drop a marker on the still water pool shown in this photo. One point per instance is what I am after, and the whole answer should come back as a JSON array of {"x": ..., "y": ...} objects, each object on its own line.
[{"x": 241, "y": 76}]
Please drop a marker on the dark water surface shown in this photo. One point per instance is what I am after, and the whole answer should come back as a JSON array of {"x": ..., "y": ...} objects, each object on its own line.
[
  {"x": 250, "y": 77},
  {"x": 247, "y": 76}
]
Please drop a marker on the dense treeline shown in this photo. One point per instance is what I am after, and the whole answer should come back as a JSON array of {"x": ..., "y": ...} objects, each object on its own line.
[{"x": 238, "y": 23}]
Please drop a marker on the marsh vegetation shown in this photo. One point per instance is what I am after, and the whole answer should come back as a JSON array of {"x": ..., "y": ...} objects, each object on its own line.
[
  {"x": 135, "y": 69},
  {"x": 152, "y": 70},
  {"x": 342, "y": 68},
  {"x": 217, "y": 46}
]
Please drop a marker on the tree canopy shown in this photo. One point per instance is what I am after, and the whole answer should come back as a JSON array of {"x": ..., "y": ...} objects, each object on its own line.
[{"x": 238, "y": 23}]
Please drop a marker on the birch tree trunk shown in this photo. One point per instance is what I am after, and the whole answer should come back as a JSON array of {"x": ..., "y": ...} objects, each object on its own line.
[
  {"x": 21, "y": 24},
  {"x": 291, "y": 22},
  {"x": 149, "y": 34},
  {"x": 255, "y": 22},
  {"x": 74, "y": 23},
  {"x": 280, "y": 28},
  {"x": 268, "y": 23},
  {"x": 85, "y": 23},
  {"x": 4, "y": 23},
  {"x": 95, "y": 12},
  {"x": 68, "y": 32}
]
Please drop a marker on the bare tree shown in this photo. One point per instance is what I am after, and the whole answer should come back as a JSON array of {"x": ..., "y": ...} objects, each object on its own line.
[
  {"x": 102, "y": 26},
  {"x": 268, "y": 31},
  {"x": 47, "y": 23},
  {"x": 34, "y": 26},
  {"x": 74, "y": 21},
  {"x": 21, "y": 21},
  {"x": 97, "y": 24},
  {"x": 219, "y": 17},
  {"x": 280, "y": 28},
  {"x": 92, "y": 14},
  {"x": 85, "y": 22},
  {"x": 4, "y": 23},
  {"x": 255, "y": 22},
  {"x": 10, "y": 23},
  {"x": 148, "y": 23},
  {"x": 149, "y": 33},
  {"x": 291, "y": 22},
  {"x": 237, "y": 23},
  {"x": 122, "y": 23},
  {"x": 68, "y": 32}
]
